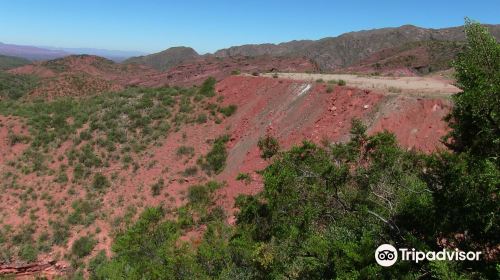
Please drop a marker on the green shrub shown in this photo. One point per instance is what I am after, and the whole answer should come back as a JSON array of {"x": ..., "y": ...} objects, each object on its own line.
[
  {"x": 341, "y": 83},
  {"x": 83, "y": 246},
  {"x": 199, "y": 194},
  {"x": 100, "y": 182},
  {"x": 201, "y": 118},
  {"x": 235, "y": 72},
  {"x": 329, "y": 89},
  {"x": 320, "y": 80},
  {"x": 28, "y": 253},
  {"x": 185, "y": 151},
  {"x": 60, "y": 233},
  {"x": 157, "y": 187},
  {"x": 269, "y": 146},
  {"x": 215, "y": 160},
  {"x": 244, "y": 177},
  {"x": 228, "y": 111},
  {"x": 190, "y": 171},
  {"x": 208, "y": 87},
  {"x": 14, "y": 138}
]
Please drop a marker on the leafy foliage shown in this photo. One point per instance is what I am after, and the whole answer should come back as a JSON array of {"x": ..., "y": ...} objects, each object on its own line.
[
  {"x": 83, "y": 246},
  {"x": 268, "y": 146},
  {"x": 475, "y": 118}
]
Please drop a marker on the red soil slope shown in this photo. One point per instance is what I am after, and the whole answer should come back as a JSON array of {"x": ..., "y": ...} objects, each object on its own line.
[
  {"x": 81, "y": 75},
  {"x": 290, "y": 110},
  {"x": 294, "y": 111}
]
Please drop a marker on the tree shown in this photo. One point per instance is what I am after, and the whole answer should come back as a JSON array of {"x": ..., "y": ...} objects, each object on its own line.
[{"x": 475, "y": 118}]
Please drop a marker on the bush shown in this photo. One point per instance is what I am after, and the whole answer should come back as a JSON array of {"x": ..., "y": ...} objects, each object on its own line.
[
  {"x": 60, "y": 233},
  {"x": 329, "y": 89},
  {"x": 215, "y": 160},
  {"x": 83, "y": 246},
  {"x": 208, "y": 87},
  {"x": 100, "y": 182},
  {"x": 28, "y": 253},
  {"x": 244, "y": 177},
  {"x": 269, "y": 146},
  {"x": 14, "y": 139},
  {"x": 185, "y": 151},
  {"x": 157, "y": 187},
  {"x": 255, "y": 74},
  {"x": 199, "y": 195},
  {"x": 190, "y": 171},
  {"x": 341, "y": 83},
  {"x": 235, "y": 72},
  {"x": 228, "y": 111},
  {"x": 320, "y": 80},
  {"x": 202, "y": 118}
]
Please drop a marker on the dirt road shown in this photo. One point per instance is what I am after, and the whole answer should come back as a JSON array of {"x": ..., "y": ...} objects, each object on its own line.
[{"x": 422, "y": 86}]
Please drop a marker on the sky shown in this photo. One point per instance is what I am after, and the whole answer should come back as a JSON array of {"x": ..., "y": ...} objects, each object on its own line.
[{"x": 151, "y": 26}]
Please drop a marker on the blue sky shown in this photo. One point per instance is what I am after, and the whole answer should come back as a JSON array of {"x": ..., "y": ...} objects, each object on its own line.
[{"x": 206, "y": 26}]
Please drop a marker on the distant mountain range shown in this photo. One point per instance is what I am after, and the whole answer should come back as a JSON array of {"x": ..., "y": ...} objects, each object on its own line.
[
  {"x": 30, "y": 52},
  {"x": 47, "y": 53},
  {"x": 350, "y": 48},
  {"x": 115, "y": 55},
  {"x": 418, "y": 50},
  {"x": 409, "y": 46}
]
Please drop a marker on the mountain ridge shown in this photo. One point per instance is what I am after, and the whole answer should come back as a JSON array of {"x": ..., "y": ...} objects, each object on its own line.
[{"x": 333, "y": 53}]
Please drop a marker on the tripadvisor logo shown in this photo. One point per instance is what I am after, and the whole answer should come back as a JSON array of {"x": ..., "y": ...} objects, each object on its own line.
[{"x": 387, "y": 255}]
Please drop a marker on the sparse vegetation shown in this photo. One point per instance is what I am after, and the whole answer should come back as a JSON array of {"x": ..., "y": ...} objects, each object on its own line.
[
  {"x": 269, "y": 146},
  {"x": 215, "y": 159},
  {"x": 100, "y": 182},
  {"x": 157, "y": 187},
  {"x": 83, "y": 246},
  {"x": 395, "y": 89},
  {"x": 15, "y": 86},
  {"x": 228, "y": 111},
  {"x": 324, "y": 210},
  {"x": 244, "y": 177},
  {"x": 185, "y": 151}
]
